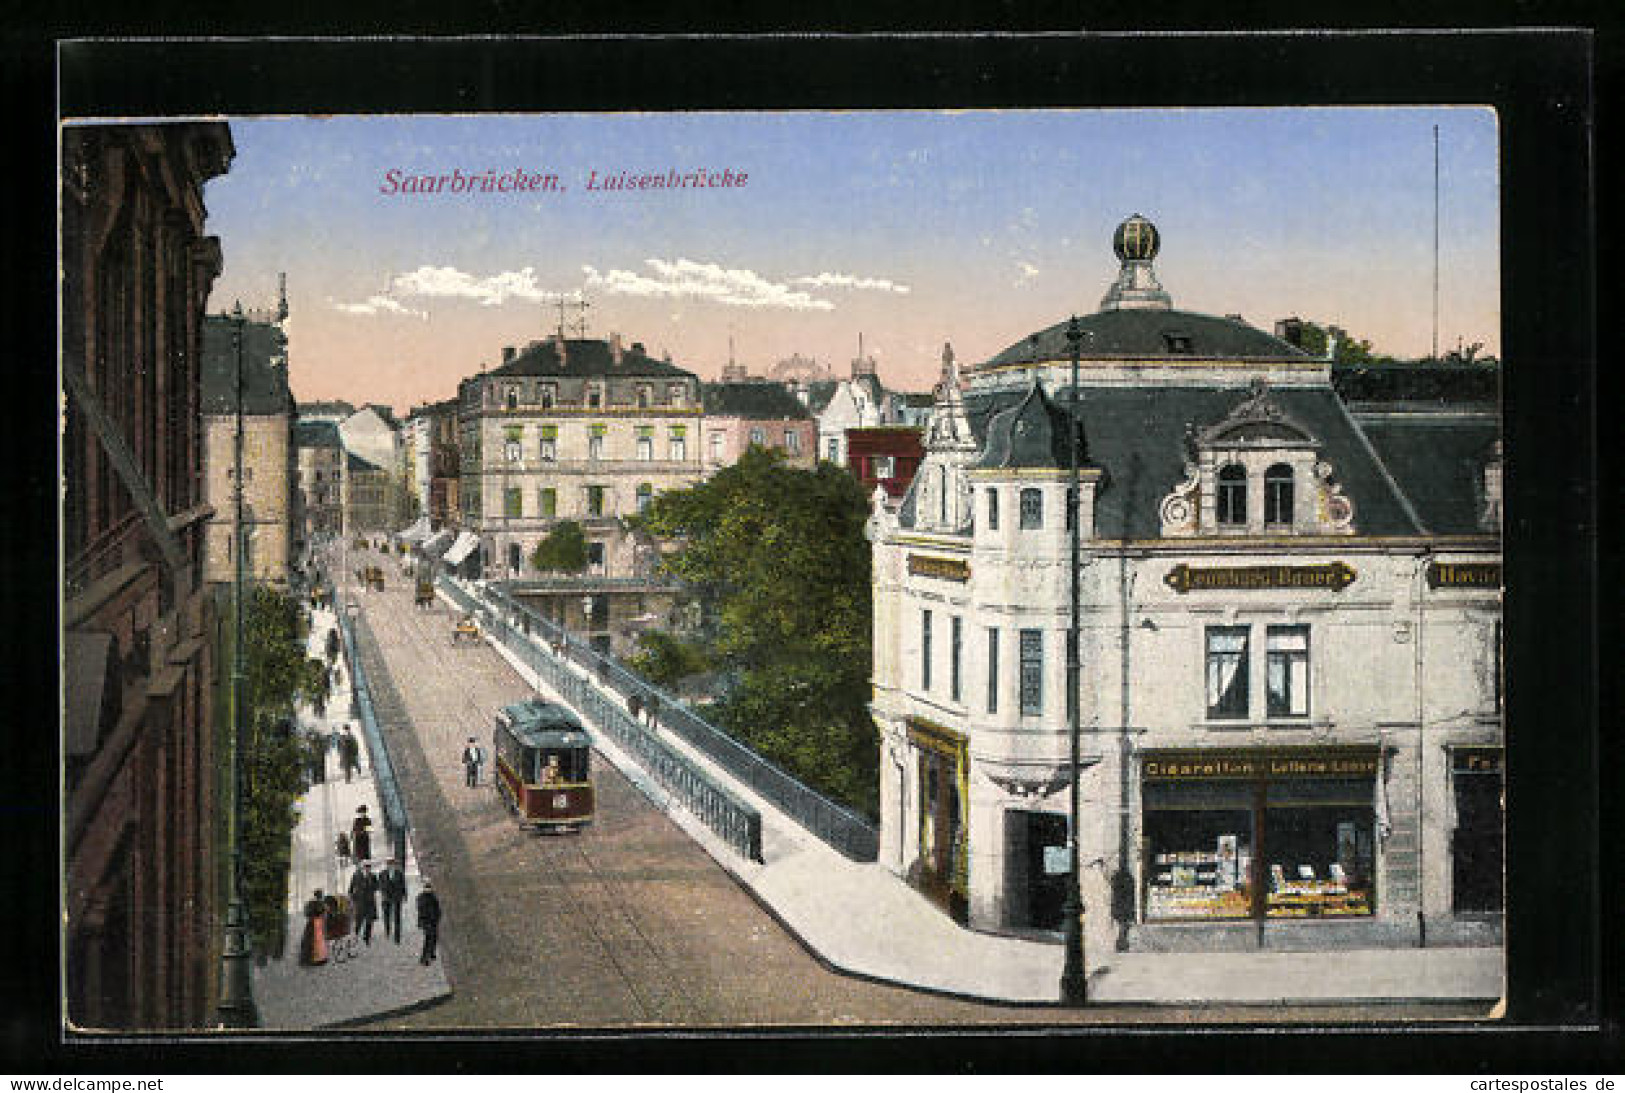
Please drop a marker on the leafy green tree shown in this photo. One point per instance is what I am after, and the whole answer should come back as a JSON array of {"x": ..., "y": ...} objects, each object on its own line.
[
  {"x": 276, "y": 674},
  {"x": 778, "y": 557},
  {"x": 564, "y": 550},
  {"x": 665, "y": 659},
  {"x": 1350, "y": 349}
]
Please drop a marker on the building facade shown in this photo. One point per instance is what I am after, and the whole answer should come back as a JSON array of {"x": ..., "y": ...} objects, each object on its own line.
[
  {"x": 1288, "y": 663},
  {"x": 269, "y": 462},
  {"x": 579, "y": 429},
  {"x": 319, "y": 479},
  {"x": 140, "y": 902},
  {"x": 374, "y": 479},
  {"x": 760, "y": 413}
]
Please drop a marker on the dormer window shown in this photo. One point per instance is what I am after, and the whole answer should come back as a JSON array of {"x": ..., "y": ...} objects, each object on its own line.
[
  {"x": 644, "y": 396},
  {"x": 549, "y": 393},
  {"x": 1230, "y": 501},
  {"x": 1178, "y": 342},
  {"x": 510, "y": 399},
  {"x": 595, "y": 397},
  {"x": 1278, "y": 496}
]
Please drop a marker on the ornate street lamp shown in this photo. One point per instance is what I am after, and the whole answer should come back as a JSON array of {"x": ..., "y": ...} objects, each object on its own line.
[
  {"x": 236, "y": 1006},
  {"x": 1074, "y": 981}
]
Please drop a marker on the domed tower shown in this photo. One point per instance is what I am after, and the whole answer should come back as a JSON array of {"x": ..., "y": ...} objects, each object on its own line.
[{"x": 1136, "y": 244}]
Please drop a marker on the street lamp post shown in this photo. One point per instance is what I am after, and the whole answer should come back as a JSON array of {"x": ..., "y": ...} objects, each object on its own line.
[
  {"x": 236, "y": 1005},
  {"x": 1074, "y": 981}
]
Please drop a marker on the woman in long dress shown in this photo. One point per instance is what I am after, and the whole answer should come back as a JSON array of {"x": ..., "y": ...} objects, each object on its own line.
[{"x": 313, "y": 945}]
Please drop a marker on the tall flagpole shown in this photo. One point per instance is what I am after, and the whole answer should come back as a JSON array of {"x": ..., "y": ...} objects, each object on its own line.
[{"x": 1435, "y": 243}]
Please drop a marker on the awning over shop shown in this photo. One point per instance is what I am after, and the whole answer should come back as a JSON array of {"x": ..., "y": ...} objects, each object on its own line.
[
  {"x": 84, "y": 670},
  {"x": 439, "y": 542},
  {"x": 418, "y": 532},
  {"x": 462, "y": 548}
]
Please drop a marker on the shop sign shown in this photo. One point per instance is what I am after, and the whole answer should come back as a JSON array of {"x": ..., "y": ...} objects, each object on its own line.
[
  {"x": 1476, "y": 760},
  {"x": 1334, "y": 575},
  {"x": 1464, "y": 575},
  {"x": 1196, "y": 765},
  {"x": 946, "y": 569}
]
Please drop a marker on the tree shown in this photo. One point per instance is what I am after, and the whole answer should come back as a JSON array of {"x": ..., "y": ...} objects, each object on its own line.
[
  {"x": 277, "y": 674},
  {"x": 564, "y": 550},
  {"x": 1350, "y": 350},
  {"x": 665, "y": 659},
  {"x": 778, "y": 556}
]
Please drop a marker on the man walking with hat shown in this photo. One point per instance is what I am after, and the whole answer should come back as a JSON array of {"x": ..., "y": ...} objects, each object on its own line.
[
  {"x": 428, "y": 922},
  {"x": 392, "y": 890}
]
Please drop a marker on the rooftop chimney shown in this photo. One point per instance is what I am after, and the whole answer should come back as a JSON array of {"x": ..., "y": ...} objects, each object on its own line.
[
  {"x": 615, "y": 350},
  {"x": 507, "y": 353}
]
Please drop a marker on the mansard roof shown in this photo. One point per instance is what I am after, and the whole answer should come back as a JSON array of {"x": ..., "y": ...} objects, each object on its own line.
[
  {"x": 757, "y": 401},
  {"x": 265, "y": 370},
  {"x": 1154, "y": 333},
  {"x": 316, "y": 434},
  {"x": 1138, "y": 435},
  {"x": 1438, "y": 460},
  {"x": 585, "y": 357}
]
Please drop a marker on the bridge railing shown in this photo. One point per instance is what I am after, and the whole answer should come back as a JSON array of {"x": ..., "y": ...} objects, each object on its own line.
[
  {"x": 396, "y": 823},
  {"x": 844, "y": 830},
  {"x": 735, "y": 821}
]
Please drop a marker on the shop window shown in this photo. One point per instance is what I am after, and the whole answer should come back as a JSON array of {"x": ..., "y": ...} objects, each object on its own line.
[
  {"x": 1278, "y": 496},
  {"x": 1231, "y": 500},
  {"x": 955, "y": 641},
  {"x": 1258, "y": 845},
  {"x": 1032, "y": 509},
  {"x": 925, "y": 650},
  {"x": 992, "y": 669},
  {"x": 992, "y": 509},
  {"x": 1032, "y": 673},
  {"x": 1227, "y": 672},
  {"x": 1286, "y": 671}
]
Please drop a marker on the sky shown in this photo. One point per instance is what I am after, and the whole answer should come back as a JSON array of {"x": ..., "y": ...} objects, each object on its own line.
[{"x": 909, "y": 229}]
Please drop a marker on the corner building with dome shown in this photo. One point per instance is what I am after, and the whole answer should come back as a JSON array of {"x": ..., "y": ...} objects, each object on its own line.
[{"x": 1289, "y": 669}]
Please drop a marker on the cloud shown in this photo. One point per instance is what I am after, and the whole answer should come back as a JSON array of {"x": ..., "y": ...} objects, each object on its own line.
[
  {"x": 373, "y": 305},
  {"x": 492, "y": 291},
  {"x": 706, "y": 281},
  {"x": 1026, "y": 272},
  {"x": 847, "y": 280}
]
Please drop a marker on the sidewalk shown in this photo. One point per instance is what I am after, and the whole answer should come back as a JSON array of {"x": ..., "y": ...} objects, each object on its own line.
[
  {"x": 382, "y": 978},
  {"x": 864, "y": 920}
]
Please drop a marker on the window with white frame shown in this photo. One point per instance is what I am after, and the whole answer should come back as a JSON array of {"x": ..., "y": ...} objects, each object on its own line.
[
  {"x": 1227, "y": 696},
  {"x": 758, "y": 436},
  {"x": 1286, "y": 671},
  {"x": 1032, "y": 509},
  {"x": 1278, "y": 496},
  {"x": 717, "y": 440},
  {"x": 1230, "y": 503},
  {"x": 549, "y": 449},
  {"x": 679, "y": 443},
  {"x": 792, "y": 441}
]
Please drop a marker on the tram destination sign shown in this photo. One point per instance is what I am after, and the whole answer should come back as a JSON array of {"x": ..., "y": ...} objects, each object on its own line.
[
  {"x": 1184, "y": 578},
  {"x": 1464, "y": 575},
  {"x": 945, "y": 569}
]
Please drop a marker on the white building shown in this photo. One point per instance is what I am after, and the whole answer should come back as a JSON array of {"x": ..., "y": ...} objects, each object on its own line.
[{"x": 1288, "y": 677}]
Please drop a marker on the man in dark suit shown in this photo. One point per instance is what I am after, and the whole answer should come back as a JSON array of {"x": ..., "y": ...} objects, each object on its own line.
[
  {"x": 364, "y": 897},
  {"x": 392, "y": 890},
  {"x": 428, "y": 922}
]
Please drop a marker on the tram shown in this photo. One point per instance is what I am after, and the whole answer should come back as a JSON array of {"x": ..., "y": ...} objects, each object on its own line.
[{"x": 544, "y": 766}]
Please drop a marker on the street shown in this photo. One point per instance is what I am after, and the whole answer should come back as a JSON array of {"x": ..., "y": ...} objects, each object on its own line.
[{"x": 628, "y": 923}]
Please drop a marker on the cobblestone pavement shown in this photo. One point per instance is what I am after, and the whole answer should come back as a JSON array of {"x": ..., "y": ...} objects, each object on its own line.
[{"x": 628, "y": 923}]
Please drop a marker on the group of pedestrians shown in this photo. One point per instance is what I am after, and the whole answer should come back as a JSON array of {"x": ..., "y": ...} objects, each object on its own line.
[{"x": 328, "y": 919}]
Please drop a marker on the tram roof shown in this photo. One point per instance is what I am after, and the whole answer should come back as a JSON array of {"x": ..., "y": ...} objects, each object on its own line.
[{"x": 538, "y": 724}]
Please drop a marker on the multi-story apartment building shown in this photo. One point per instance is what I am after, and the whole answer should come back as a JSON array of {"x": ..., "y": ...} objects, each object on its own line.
[
  {"x": 259, "y": 347},
  {"x": 1288, "y": 669},
  {"x": 319, "y": 456},
  {"x": 141, "y": 905},
  {"x": 756, "y": 412},
  {"x": 578, "y": 429}
]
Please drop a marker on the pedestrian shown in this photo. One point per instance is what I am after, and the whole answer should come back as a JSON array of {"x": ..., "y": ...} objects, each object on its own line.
[
  {"x": 349, "y": 753},
  {"x": 364, "y": 898},
  {"x": 392, "y": 889},
  {"x": 473, "y": 759},
  {"x": 341, "y": 849},
  {"x": 316, "y": 756},
  {"x": 313, "y": 945},
  {"x": 654, "y": 712},
  {"x": 332, "y": 644},
  {"x": 361, "y": 835},
  {"x": 428, "y": 922},
  {"x": 634, "y": 706}
]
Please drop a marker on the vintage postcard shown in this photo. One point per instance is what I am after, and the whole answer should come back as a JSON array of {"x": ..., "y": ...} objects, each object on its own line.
[{"x": 816, "y": 569}]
